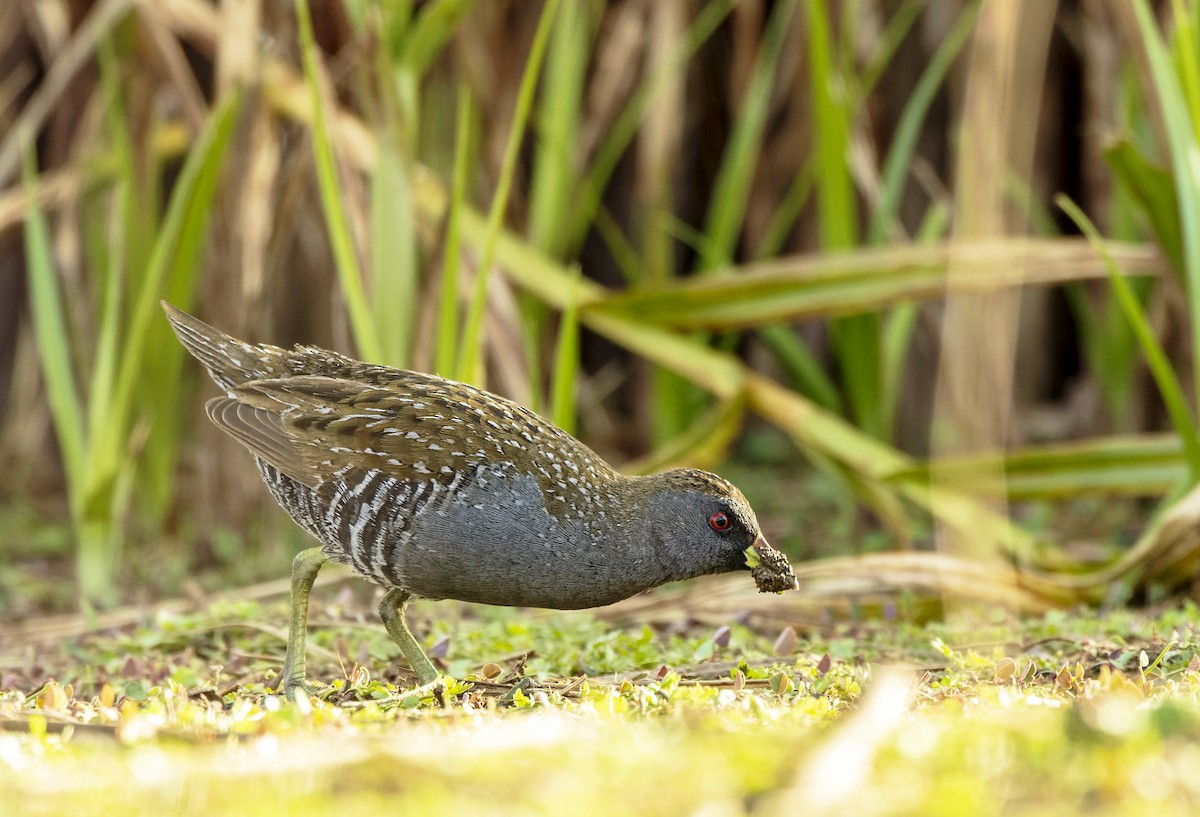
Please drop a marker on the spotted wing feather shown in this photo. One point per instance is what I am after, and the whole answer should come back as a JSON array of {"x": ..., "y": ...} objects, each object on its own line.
[
  {"x": 420, "y": 428},
  {"x": 334, "y": 424}
]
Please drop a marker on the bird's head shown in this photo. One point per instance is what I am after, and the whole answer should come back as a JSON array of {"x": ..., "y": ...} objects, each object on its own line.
[{"x": 705, "y": 525}]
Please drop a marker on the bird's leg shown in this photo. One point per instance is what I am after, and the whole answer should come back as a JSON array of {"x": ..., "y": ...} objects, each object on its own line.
[
  {"x": 305, "y": 567},
  {"x": 391, "y": 610}
]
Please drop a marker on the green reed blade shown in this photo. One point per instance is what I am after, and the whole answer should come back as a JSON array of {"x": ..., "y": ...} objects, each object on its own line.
[
  {"x": 1156, "y": 359},
  {"x": 337, "y": 221},
  {"x": 447, "y": 344},
  {"x": 470, "y": 357}
]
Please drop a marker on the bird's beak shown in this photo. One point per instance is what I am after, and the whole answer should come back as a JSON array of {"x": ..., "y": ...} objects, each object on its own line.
[{"x": 778, "y": 565}]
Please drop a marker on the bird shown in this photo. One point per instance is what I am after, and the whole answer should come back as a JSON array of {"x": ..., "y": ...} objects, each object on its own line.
[{"x": 436, "y": 489}]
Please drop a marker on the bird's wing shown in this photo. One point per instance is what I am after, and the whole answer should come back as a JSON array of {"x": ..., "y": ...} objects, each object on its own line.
[
  {"x": 312, "y": 427},
  {"x": 328, "y": 432},
  {"x": 262, "y": 432}
]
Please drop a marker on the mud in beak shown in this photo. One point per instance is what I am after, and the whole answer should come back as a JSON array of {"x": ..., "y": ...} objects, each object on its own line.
[{"x": 769, "y": 568}]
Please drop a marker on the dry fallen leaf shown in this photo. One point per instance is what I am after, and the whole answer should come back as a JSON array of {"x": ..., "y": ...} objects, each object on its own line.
[{"x": 785, "y": 643}]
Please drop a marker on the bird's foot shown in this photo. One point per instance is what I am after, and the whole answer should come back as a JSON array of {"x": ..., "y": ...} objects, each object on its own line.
[{"x": 289, "y": 687}]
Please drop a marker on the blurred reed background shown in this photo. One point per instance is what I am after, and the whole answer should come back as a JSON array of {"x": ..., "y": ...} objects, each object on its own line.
[{"x": 674, "y": 226}]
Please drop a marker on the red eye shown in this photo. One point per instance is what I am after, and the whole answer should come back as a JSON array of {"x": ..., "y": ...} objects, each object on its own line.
[{"x": 719, "y": 522}]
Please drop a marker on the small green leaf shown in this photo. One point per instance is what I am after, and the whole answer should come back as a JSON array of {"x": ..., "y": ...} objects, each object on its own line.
[{"x": 781, "y": 683}]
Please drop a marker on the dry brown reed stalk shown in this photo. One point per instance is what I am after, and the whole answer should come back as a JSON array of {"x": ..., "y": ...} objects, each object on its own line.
[
  {"x": 822, "y": 284},
  {"x": 975, "y": 387},
  {"x": 912, "y": 585}
]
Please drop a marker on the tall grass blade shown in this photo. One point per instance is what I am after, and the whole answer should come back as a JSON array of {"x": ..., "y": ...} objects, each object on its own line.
[
  {"x": 735, "y": 177},
  {"x": 1154, "y": 191},
  {"x": 566, "y": 362},
  {"x": 172, "y": 271},
  {"x": 149, "y": 358},
  {"x": 432, "y": 30},
  {"x": 470, "y": 353},
  {"x": 1187, "y": 64},
  {"x": 802, "y": 366},
  {"x": 113, "y": 256},
  {"x": 50, "y": 330},
  {"x": 608, "y": 155},
  {"x": 856, "y": 339},
  {"x": 1110, "y": 348},
  {"x": 557, "y": 124},
  {"x": 337, "y": 221},
  {"x": 836, "y": 211},
  {"x": 447, "y": 344},
  {"x": 894, "y": 33},
  {"x": 393, "y": 256},
  {"x": 1156, "y": 359},
  {"x": 1185, "y": 160},
  {"x": 908, "y": 128},
  {"x": 901, "y": 321},
  {"x": 783, "y": 220},
  {"x": 705, "y": 444}
]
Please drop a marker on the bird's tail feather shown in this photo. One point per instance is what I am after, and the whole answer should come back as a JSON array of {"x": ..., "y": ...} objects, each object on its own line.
[{"x": 230, "y": 362}]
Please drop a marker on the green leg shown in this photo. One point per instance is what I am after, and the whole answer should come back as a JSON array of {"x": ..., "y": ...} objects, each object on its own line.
[
  {"x": 391, "y": 610},
  {"x": 305, "y": 567}
]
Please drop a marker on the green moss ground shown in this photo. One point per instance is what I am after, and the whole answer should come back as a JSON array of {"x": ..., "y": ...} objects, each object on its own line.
[{"x": 1066, "y": 714}]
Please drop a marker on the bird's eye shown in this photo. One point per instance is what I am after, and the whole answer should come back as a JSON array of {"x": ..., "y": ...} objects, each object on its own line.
[{"x": 719, "y": 522}]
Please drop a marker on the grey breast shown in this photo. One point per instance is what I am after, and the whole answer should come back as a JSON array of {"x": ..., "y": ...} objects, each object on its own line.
[{"x": 490, "y": 539}]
